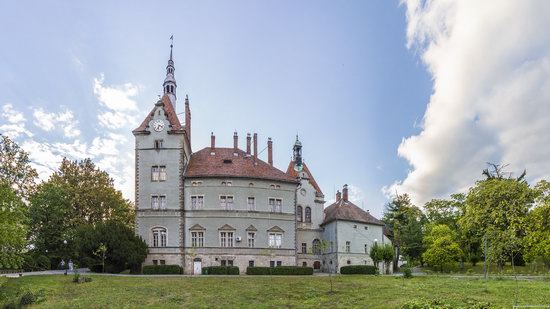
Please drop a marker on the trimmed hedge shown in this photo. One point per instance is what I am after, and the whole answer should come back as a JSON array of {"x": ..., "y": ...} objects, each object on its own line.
[
  {"x": 96, "y": 268},
  {"x": 220, "y": 270},
  {"x": 280, "y": 271},
  {"x": 358, "y": 269},
  {"x": 162, "y": 270}
]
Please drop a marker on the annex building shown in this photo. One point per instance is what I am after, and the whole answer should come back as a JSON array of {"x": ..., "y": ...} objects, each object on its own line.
[{"x": 227, "y": 206}]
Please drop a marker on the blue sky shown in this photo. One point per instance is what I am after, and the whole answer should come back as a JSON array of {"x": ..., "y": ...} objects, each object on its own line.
[{"x": 352, "y": 78}]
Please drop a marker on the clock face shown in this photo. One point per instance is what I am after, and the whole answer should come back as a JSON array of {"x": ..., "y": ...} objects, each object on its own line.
[
  {"x": 158, "y": 125},
  {"x": 303, "y": 192}
]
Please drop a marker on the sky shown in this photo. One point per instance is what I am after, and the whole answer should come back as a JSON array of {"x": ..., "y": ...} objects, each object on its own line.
[{"x": 386, "y": 96}]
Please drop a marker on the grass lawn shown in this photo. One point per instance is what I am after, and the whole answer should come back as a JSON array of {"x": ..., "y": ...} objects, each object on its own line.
[
  {"x": 493, "y": 269},
  {"x": 351, "y": 291}
]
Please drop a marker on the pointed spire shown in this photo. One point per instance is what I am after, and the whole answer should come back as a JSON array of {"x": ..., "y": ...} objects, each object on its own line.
[
  {"x": 171, "y": 46},
  {"x": 169, "y": 84}
]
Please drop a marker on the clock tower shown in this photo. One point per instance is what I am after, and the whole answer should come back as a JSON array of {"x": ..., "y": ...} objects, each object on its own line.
[{"x": 162, "y": 151}]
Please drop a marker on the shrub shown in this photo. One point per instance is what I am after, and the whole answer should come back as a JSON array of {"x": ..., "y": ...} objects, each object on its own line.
[
  {"x": 220, "y": 270},
  {"x": 29, "y": 264},
  {"x": 407, "y": 272},
  {"x": 27, "y": 298},
  {"x": 43, "y": 262},
  {"x": 88, "y": 261},
  {"x": 359, "y": 269},
  {"x": 96, "y": 268},
  {"x": 474, "y": 259},
  {"x": 280, "y": 271},
  {"x": 162, "y": 270}
]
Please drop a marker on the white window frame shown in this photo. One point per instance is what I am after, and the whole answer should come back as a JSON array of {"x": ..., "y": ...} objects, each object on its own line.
[
  {"x": 162, "y": 173},
  {"x": 275, "y": 239},
  {"x": 155, "y": 202},
  {"x": 253, "y": 203},
  {"x": 197, "y": 238},
  {"x": 225, "y": 204},
  {"x": 198, "y": 198},
  {"x": 158, "y": 238},
  {"x": 162, "y": 202},
  {"x": 273, "y": 207},
  {"x": 348, "y": 246},
  {"x": 155, "y": 173},
  {"x": 251, "y": 239},
  {"x": 227, "y": 239}
]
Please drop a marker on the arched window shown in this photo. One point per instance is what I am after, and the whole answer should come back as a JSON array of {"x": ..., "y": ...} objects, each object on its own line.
[
  {"x": 308, "y": 215},
  {"x": 299, "y": 213},
  {"x": 316, "y": 246},
  {"x": 159, "y": 237}
]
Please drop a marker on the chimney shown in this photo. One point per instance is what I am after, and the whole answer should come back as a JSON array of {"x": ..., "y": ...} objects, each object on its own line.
[
  {"x": 235, "y": 143},
  {"x": 188, "y": 119},
  {"x": 248, "y": 144},
  {"x": 255, "y": 147},
  {"x": 269, "y": 151},
  {"x": 212, "y": 143},
  {"x": 338, "y": 196},
  {"x": 345, "y": 193}
]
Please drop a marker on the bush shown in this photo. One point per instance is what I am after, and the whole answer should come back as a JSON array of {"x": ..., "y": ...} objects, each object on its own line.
[
  {"x": 43, "y": 262},
  {"x": 88, "y": 261},
  {"x": 474, "y": 259},
  {"x": 407, "y": 272},
  {"x": 96, "y": 268},
  {"x": 261, "y": 271},
  {"x": 162, "y": 270},
  {"x": 220, "y": 270},
  {"x": 280, "y": 271},
  {"x": 27, "y": 298},
  {"x": 359, "y": 269}
]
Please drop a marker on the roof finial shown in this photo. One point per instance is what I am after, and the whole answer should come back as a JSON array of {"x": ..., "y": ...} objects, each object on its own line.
[{"x": 171, "y": 45}]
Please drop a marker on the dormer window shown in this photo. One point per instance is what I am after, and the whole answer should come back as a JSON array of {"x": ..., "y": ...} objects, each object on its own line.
[{"x": 227, "y": 161}]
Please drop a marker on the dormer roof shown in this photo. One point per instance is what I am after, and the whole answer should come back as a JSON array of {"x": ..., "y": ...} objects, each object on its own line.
[{"x": 347, "y": 211}]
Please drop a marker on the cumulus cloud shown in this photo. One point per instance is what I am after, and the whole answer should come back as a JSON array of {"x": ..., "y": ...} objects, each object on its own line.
[
  {"x": 49, "y": 121},
  {"x": 490, "y": 63},
  {"x": 14, "y": 122},
  {"x": 118, "y": 103}
]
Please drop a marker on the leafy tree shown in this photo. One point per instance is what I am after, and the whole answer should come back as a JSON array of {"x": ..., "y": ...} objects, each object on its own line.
[
  {"x": 388, "y": 256},
  {"x": 441, "y": 247},
  {"x": 124, "y": 249},
  {"x": 537, "y": 239},
  {"x": 49, "y": 217},
  {"x": 376, "y": 254},
  {"x": 92, "y": 194},
  {"x": 496, "y": 209},
  {"x": 12, "y": 228},
  {"x": 15, "y": 168}
]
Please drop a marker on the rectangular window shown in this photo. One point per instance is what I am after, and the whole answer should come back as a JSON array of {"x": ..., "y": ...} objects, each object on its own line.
[
  {"x": 155, "y": 202},
  {"x": 162, "y": 262},
  {"x": 162, "y": 202},
  {"x": 348, "y": 246},
  {"x": 275, "y": 240},
  {"x": 197, "y": 239},
  {"x": 226, "y": 239},
  {"x": 366, "y": 249},
  {"x": 224, "y": 262},
  {"x": 250, "y": 263},
  {"x": 331, "y": 246},
  {"x": 158, "y": 144},
  {"x": 251, "y": 202},
  {"x": 197, "y": 201},
  {"x": 155, "y": 262},
  {"x": 155, "y": 173},
  {"x": 276, "y": 204},
  {"x": 279, "y": 263},
  {"x": 226, "y": 202},
  {"x": 304, "y": 247},
  {"x": 271, "y": 263},
  {"x": 251, "y": 239},
  {"x": 162, "y": 173},
  {"x": 229, "y": 262}
]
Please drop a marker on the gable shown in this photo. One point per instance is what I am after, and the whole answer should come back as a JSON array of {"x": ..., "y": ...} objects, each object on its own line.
[
  {"x": 174, "y": 125},
  {"x": 226, "y": 227},
  {"x": 276, "y": 229}
]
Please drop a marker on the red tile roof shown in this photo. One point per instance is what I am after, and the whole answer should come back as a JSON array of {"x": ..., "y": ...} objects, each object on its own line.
[
  {"x": 224, "y": 164},
  {"x": 290, "y": 171},
  {"x": 347, "y": 211},
  {"x": 175, "y": 124}
]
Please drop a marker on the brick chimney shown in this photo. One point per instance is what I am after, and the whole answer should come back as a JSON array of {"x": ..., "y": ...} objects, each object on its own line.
[
  {"x": 255, "y": 147},
  {"x": 338, "y": 196},
  {"x": 270, "y": 151},
  {"x": 235, "y": 143},
  {"x": 345, "y": 193},
  {"x": 248, "y": 138},
  {"x": 212, "y": 143}
]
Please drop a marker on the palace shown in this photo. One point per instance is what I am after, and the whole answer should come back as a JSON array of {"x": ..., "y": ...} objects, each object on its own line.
[{"x": 226, "y": 206}]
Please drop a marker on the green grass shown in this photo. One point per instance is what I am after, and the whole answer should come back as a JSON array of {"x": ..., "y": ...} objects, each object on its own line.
[
  {"x": 351, "y": 291},
  {"x": 493, "y": 269}
]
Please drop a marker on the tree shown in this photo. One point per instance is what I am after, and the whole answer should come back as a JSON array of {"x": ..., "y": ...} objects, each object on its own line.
[
  {"x": 124, "y": 249},
  {"x": 92, "y": 194},
  {"x": 376, "y": 254},
  {"x": 49, "y": 214},
  {"x": 537, "y": 239},
  {"x": 496, "y": 209},
  {"x": 441, "y": 247},
  {"x": 12, "y": 228},
  {"x": 388, "y": 256},
  {"x": 15, "y": 168}
]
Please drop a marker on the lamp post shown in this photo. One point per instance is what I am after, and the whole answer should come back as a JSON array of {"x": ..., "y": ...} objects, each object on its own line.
[{"x": 65, "y": 265}]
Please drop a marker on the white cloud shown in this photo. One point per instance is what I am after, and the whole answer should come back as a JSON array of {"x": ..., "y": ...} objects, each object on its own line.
[
  {"x": 49, "y": 121},
  {"x": 490, "y": 63},
  {"x": 15, "y": 126},
  {"x": 120, "y": 107}
]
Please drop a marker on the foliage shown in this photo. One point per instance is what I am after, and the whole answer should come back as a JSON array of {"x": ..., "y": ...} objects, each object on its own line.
[
  {"x": 43, "y": 262},
  {"x": 92, "y": 195},
  {"x": 537, "y": 239},
  {"x": 15, "y": 168},
  {"x": 359, "y": 269},
  {"x": 220, "y": 270},
  {"x": 441, "y": 246},
  {"x": 124, "y": 249},
  {"x": 162, "y": 269},
  {"x": 497, "y": 208},
  {"x": 96, "y": 268},
  {"x": 12, "y": 228},
  {"x": 438, "y": 304},
  {"x": 388, "y": 256},
  {"x": 407, "y": 272},
  {"x": 280, "y": 270},
  {"x": 376, "y": 254}
]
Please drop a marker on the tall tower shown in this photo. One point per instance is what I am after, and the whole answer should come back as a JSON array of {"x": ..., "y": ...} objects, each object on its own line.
[{"x": 169, "y": 84}]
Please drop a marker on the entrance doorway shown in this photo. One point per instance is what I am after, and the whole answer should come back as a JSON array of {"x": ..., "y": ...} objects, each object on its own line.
[
  {"x": 197, "y": 266},
  {"x": 316, "y": 265}
]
